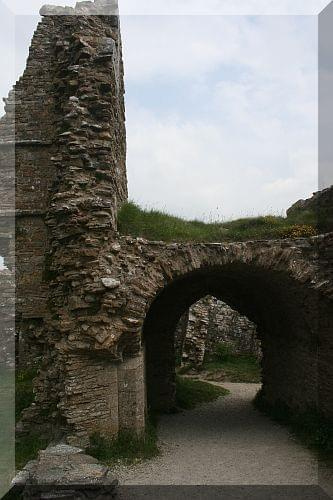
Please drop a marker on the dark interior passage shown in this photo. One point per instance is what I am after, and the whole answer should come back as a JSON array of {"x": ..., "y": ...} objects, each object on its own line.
[{"x": 284, "y": 312}]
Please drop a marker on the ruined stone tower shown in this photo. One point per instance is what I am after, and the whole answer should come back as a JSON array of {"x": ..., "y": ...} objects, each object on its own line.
[{"x": 66, "y": 118}]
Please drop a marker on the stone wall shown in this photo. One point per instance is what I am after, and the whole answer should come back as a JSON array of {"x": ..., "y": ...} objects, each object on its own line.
[
  {"x": 7, "y": 324},
  {"x": 29, "y": 126},
  {"x": 81, "y": 219},
  {"x": 65, "y": 115},
  {"x": 66, "y": 119},
  {"x": 210, "y": 322}
]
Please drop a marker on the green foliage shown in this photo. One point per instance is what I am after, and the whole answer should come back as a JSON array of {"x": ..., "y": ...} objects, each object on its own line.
[
  {"x": 127, "y": 447},
  {"x": 298, "y": 231},
  {"x": 235, "y": 368},
  {"x": 185, "y": 369},
  {"x": 14, "y": 494},
  {"x": 310, "y": 426},
  {"x": 190, "y": 393},
  {"x": 223, "y": 351},
  {"x": 308, "y": 217},
  {"x": 27, "y": 448},
  {"x": 24, "y": 390},
  {"x": 157, "y": 225}
]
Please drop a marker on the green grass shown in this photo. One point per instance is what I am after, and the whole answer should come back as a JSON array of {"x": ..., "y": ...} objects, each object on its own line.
[
  {"x": 160, "y": 226},
  {"x": 235, "y": 368},
  {"x": 191, "y": 393},
  {"x": 7, "y": 427},
  {"x": 127, "y": 447},
  {"x": 309, "y": 426},
  {"x": 24, "y": 390},
  {"x": 27, "y": 448}
]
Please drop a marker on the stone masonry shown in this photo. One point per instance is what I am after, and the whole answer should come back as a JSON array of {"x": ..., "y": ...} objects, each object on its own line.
[
  {"x": 103, "y": 309},
  {"x": 7, "y": 326},
  {"x": 210, "y": 322}
]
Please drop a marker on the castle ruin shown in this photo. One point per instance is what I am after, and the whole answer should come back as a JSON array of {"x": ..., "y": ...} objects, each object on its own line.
[{"x": 101, "y": 309}]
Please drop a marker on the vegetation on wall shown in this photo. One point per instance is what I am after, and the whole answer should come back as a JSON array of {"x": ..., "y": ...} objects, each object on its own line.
[{"x": 156, "y": 225}]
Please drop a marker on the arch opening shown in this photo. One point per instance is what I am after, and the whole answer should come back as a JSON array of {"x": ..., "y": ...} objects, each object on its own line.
[
  {"x": 212, "y": 332},
  {"x": 277, "y": 304}
]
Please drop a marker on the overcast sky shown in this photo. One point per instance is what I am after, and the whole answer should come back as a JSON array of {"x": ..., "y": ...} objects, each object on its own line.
[{"x": 221, "y": 110}]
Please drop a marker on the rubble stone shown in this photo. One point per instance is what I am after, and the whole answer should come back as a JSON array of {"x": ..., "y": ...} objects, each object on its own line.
[{"x": 65, "y": 472}]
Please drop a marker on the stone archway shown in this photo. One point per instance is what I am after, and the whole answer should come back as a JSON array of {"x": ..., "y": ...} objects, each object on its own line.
[{"x": 271, "y": 299}]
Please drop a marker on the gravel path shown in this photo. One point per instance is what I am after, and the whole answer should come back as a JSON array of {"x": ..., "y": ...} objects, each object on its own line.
[{"x": 223, "y": 443}]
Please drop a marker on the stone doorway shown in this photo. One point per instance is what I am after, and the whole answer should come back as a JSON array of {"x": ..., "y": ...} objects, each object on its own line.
[{"x": 271, "y": 300}]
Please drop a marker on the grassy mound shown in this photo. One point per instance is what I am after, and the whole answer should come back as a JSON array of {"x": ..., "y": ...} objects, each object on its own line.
[
  {"x": 242, "y": 369},
  {"x": 160, "y": 226},
  {"x": 235, "y": 368}
]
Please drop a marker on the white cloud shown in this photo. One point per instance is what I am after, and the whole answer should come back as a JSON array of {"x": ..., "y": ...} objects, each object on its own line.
[
  {"x": 190, "y": 7},
  {"x": 191, "y": 168},
  {"x": 223, "y": 7},
  {"x": 186, "y": 47},
  {"x": 249, "y": 144}
]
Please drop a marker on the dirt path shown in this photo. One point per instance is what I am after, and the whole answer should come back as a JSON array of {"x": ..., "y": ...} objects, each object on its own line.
[{"x": 223, "y": 443}]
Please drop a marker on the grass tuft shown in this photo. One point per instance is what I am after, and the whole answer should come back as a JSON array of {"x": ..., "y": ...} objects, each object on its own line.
[
  {"x": 27, "y": 448},
  {"x": 191, "y": 393},
  {"x": 127, "y": 447},
  {"x": 161, "y": 226}
]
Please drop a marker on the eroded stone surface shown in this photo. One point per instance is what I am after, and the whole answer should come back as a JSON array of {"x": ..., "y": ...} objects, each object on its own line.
[
  {"x": 210, "y": 322},
  {"x": 96, "y": 7}
]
